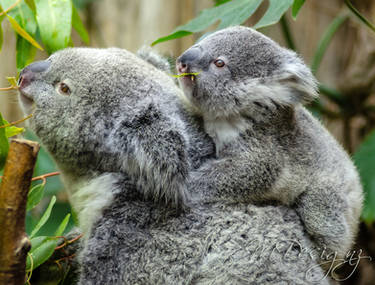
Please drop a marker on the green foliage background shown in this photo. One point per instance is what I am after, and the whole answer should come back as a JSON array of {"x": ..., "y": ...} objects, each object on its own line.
[{"x": 48, "y": 24}]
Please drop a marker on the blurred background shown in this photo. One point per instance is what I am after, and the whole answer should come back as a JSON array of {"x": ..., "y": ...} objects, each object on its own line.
[
  {"x": 348, "y": 64},
  {"x": 347, "y": 72}
]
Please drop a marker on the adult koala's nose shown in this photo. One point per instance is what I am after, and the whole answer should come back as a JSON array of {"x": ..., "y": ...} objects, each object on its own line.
[
  {"x": 187, "y": 59},
  {"x": 28, "y": 74}
]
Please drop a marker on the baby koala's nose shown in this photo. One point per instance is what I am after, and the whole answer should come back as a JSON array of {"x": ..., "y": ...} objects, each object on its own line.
[
  {"x": 182, "y": 67},
  {"x": 185, "y": 61},
  {"x": 28, "y": 73}
]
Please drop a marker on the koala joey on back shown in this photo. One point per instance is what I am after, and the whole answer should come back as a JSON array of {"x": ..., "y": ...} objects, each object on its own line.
[
  {"x": 114, "y": 126},
  {"x": 251, "y": 92}
]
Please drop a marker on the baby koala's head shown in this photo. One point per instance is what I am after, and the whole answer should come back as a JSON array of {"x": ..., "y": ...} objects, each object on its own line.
[{"x": 239, "y": 66}]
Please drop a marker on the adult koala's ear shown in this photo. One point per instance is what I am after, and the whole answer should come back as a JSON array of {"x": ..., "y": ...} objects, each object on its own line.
[
  {"x": 151, "y": 56},
  {"x": 300, "y": 83}
]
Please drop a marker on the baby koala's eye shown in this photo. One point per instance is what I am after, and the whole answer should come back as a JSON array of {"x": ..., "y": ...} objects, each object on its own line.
[
  {"x": 219, "y": 63},
  {"x": 63, "y": 89}
]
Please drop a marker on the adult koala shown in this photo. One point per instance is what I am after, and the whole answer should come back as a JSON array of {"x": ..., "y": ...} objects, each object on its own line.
[{"x": 115, "y": 127}]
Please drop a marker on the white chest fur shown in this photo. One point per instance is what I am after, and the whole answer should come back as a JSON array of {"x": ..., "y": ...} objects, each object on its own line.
[
  {"x": 224, "y": 130},
  {"x": 89, "y": 198}
]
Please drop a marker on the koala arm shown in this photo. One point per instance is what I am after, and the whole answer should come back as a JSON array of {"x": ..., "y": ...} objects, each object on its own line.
[
  {"x": 154, "y": 153},
  {"x": 243, "y": 176}
]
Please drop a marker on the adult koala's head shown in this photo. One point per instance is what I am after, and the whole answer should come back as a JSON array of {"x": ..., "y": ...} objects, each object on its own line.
[
  {"x": 79, "y": 95},
  {"x": 239, "y": 67}
]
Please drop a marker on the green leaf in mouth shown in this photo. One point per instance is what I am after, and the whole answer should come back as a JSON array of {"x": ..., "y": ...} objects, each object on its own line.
[{"x": 185, "y": 74}]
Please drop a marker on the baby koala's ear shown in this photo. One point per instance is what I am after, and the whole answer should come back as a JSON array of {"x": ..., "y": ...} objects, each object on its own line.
[
  {"x": 154, "y": 58},
  {"x": 299, "y": 81}
]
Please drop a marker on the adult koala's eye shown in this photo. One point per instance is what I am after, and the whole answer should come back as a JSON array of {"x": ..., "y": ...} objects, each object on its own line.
[
  {"x": 63, "y": 89},
  {"x": 219, "y": 63}
]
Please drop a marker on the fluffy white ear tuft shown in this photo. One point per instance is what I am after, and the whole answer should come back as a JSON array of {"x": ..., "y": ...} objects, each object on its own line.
[
  {"x": 292, "y": 84},
  {"x": 299, "y": 81}
]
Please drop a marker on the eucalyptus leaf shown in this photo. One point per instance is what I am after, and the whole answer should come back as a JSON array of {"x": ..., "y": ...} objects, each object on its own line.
[
  {"x": 220, "y": 2},
  {"x": 276, "y": 9},
  {"x": 35, "y": 196},
  {"x": 41, "y": 249},
  {"x": 297, "y": 5},
  {"x": 60, "y": 230},
  {"x": 22, "y": 14},
  {"x": 326, "y": 40},
  {"x": 22, "y": 19},
  {"x": 230, "y": 13},
  {"x": 22, "y": 32},
  {"x": 25, "y": 53},
  {"x": 12, "y": 81},
  {"x": 54, "y": 18},
  {"x": 13, "y": 131},
  {"x": 31, "y": 5},
  {"x": 4, "y": 144},
  {"x": 37, "y": 241},
  {"x": 44, "y": 218},
  {"x": 364, "y": 159},
  {"x": 185, "y": 74},
  {"x": 79, "y": 27}
]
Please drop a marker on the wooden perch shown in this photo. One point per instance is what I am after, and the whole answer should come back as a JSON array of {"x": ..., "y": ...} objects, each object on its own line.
[{"x": 14, "y": 187}]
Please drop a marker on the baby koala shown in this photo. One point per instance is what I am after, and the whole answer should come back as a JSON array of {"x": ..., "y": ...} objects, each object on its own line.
[{"x": 251, "y": 92}]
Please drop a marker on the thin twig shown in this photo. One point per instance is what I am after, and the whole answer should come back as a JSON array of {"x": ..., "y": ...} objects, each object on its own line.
[
  {"x": 10, "y": 7},
  {"x": 66, "y": 242},
  {"x": 75, "y": 239},
  {"x": 44, "y": 176},
  {"x": 30, "y": 271},
  {"x": 16, "y": 122},
  {"x": 65, "y": 258},
  {"x": 9, "y": 88}
]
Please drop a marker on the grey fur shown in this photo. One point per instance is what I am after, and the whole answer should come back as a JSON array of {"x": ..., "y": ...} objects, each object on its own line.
[
  {"x": 145, "y": 129},
  {"x": 269, "y": 146},
  {"x": 124, "y": 144},
  {"x": 149, "y": 55}
]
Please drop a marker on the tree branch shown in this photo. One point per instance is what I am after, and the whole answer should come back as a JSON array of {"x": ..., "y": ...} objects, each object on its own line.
[{"x": 14, "y": 187}]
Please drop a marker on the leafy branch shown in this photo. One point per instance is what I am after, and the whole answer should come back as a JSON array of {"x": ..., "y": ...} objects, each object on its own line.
[
  {"x": 234, "y": 12},
  {"x": 53, "y": 23}
]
